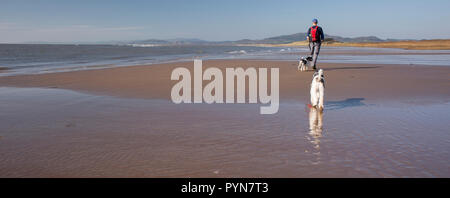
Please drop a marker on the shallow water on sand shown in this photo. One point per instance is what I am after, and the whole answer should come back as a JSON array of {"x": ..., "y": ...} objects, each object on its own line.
[{"x": 59, "y": 133}]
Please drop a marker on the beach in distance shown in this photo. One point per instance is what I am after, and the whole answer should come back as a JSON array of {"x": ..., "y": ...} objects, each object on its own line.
[
  {"x": 380, "y": 120},
  {"x": 437, "y": 44}
]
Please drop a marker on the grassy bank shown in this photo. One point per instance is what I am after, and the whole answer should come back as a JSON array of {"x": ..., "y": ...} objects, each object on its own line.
[{"x": 411, "y": 45}]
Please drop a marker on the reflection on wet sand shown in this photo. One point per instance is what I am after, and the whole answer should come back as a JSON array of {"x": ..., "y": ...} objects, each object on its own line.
[{"x": 315, "y": 130}]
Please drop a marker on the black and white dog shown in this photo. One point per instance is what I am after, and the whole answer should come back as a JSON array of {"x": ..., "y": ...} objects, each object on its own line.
[
  {"x": 317, "y": 90},
  {"x": 303, "y": 63}
]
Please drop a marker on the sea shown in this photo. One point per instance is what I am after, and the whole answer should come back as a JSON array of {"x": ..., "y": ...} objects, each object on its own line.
[{"x": 16, "y": 59}]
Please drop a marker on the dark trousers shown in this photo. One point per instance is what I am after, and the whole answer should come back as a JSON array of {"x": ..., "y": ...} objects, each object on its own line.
[{"x": 315, "y": 49}]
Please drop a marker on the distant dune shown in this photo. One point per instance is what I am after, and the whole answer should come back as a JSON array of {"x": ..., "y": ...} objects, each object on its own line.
[{"x": 442, "y": 44}]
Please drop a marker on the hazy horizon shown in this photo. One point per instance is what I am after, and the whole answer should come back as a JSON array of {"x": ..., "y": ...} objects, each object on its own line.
[
  {"x": 169, "y": 39},
  {"x": 52, "y": 21}
]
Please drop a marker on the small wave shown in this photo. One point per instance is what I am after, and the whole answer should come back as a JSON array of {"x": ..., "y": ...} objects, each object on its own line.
[
  {"x": 238, "y": 52},
  {"x": 144, "y": 45}
]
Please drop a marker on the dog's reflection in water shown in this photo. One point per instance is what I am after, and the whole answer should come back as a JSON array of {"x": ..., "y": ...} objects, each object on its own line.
[{"x": 315, "y": 126}]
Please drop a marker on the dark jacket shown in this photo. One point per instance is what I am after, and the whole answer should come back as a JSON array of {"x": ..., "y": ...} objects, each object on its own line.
[{"x": 320, "y": 32}]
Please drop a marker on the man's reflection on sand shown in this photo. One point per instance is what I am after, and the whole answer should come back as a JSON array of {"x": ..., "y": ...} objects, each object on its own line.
[{"x": 315, "y": 127}]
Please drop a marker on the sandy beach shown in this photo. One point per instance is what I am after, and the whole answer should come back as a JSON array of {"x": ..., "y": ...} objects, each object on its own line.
[
  {"x": 379, "y": 121},
  {"x": 370, "y": 81}
]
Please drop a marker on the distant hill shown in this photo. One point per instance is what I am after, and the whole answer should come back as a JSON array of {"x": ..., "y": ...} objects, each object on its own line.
[
  {"x": 284, "y": 39},
  {"x": 274, "y": 40},
  {"x": 356, "y": 39},
  {"x": 301, "y": 37},
  {"x": 149, "y": 41}
]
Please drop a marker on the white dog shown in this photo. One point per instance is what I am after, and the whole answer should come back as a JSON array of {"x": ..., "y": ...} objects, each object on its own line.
[
  {"x": 302, "y": 64},
  {"x": 317, "y": 89}
]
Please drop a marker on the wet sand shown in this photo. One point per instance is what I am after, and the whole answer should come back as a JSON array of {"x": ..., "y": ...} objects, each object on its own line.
[
  {"x": 370, "y": 81},
  {"x": 379, "y": 121}
]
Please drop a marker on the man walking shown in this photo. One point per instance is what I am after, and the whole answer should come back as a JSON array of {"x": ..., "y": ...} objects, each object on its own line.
[{"x": 315, "y": 37}]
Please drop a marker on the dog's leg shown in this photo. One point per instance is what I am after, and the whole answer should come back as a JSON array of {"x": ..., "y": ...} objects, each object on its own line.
[
  {"x": 321, "y": 96},
  {"x": 314, "y": 97}
]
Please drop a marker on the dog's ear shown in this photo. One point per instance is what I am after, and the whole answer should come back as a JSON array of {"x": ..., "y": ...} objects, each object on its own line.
[{"x": 315, "y": 74}]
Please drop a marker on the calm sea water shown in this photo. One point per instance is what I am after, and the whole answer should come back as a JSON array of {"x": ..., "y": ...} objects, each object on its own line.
[
  {"x": 40, "y": 58},
  {"x": 16, "y": 59}
]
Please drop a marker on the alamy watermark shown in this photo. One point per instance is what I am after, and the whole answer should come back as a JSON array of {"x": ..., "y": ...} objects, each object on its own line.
[{"x": 213, "y": 92}]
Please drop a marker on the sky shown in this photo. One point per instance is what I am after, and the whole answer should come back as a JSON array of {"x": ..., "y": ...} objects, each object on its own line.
[{"x": 217, "y": 20}]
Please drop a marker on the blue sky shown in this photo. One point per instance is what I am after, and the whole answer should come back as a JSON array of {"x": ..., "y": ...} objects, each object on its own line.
[{"x": 105, "y": 20}]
